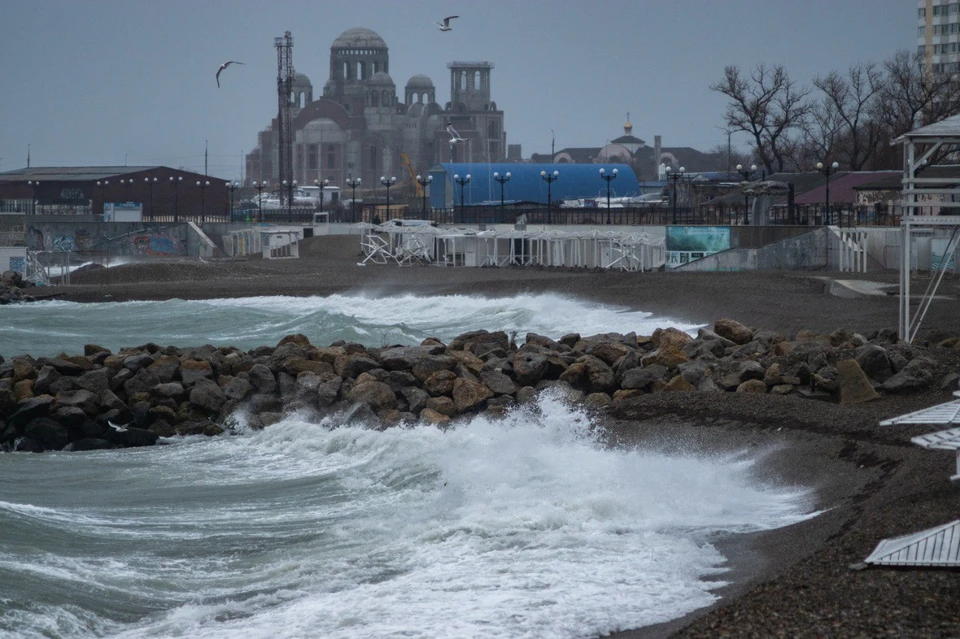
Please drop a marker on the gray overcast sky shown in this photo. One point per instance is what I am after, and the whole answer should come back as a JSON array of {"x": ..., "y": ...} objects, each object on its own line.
[{"x": 90, "y": 82}]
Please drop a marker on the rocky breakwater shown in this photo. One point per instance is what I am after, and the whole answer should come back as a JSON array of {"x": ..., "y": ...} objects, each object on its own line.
[
  {"x": 139, "y": 395},
  {"x": 11, "y": 288}
]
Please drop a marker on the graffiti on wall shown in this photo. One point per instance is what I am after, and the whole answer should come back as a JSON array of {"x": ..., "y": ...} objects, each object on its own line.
[
  {"x": 43, "y": 238},
  {"x": 79, "y": 241},
  {"x": 156, "y": 244},
  {"x": 140, "y": 241}
]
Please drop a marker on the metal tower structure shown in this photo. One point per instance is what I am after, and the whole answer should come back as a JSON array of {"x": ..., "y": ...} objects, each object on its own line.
[{"x": 284, "y": 47}]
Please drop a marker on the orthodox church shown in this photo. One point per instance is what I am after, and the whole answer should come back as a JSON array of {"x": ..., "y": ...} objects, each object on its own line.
[
  {"x": 645, "y": 160},
  {"x": 360, "y": 127}
]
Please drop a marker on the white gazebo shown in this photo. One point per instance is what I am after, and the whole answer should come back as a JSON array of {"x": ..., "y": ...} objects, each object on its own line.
[{"x": 920, "y": 147}]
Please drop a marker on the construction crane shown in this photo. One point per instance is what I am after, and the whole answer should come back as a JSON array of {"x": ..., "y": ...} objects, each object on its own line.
[{"x": 413, "y": 174}]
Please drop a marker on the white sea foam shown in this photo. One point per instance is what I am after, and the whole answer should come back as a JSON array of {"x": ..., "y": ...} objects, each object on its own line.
[
  {"x": 48, "y": 328},
  {"x": 526, "y": 526}
]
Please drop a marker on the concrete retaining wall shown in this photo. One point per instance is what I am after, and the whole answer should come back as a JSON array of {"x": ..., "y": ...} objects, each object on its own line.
[{"x": 798, "y": 253}]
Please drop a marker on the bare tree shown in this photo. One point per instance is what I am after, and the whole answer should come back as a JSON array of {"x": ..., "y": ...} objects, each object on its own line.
[
  {"x": 848, "y": 101},
  {"x": 822, "y": 135},
  {"x": 768, "y": 106},
  {"x": 729, "y": 157},
  {"x": 911, "y": 97}
]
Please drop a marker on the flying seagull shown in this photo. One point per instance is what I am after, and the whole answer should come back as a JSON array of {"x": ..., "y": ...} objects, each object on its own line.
[
  {"x": 119, "y": 429},
  {"x": 454, "y": 136},
  {"x": 445, "y": 25},
  {"x": 224, "y": 66}
]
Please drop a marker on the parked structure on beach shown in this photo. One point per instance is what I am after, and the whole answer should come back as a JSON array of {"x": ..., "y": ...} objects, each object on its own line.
[{"x": 360, "y": 127}]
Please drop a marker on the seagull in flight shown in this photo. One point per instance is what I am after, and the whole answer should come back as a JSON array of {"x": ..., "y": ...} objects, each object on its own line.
[
  {"x": 224, "y": 66},
  {"x": 445, "y": 25},
  {"x": 454, "y": 136},
  {"x": 119, "y": 428}
]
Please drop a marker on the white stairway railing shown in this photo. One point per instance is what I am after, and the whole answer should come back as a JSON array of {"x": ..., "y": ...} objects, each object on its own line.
[{"x": 852, "y": 249}]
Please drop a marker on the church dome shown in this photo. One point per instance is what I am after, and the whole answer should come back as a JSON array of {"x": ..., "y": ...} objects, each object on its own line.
[
  {"x": 359, "y": 38},
  {"x": 419, "y": 81},
  {"x": 381, "y": 79},
  {"x": 301, "y": 80}
]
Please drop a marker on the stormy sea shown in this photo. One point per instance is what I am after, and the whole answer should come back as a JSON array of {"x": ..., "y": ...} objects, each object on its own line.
[{"x": 525, "y": 526}]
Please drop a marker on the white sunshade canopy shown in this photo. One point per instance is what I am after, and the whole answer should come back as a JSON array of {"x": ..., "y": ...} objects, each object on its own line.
[{"x": 934, "y": 547}]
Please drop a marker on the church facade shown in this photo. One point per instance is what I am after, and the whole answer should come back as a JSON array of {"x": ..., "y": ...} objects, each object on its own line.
[{"x": 361, "y": 127}]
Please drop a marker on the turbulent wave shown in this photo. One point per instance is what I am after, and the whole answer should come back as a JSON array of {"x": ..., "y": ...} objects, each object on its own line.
[
  {"x": 49, "y": 328},
  {"x": 526, "y": 526}
]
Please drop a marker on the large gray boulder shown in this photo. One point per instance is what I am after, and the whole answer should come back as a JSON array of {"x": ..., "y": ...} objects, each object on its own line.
[
  {"x": 529, "y": 367},
  {"x": 498, "y": 382},
  {"x": 51, "y": 434},
  {"x": 641, "y": 378},
  {"x": 733, "y": 331},
  {"x": 874, "y": 362},
  {"x": 206, "y": 395},
  {"x": 261, "y": 379},
  {"x": 88, "y": 402},
  {"x": 376, "y": 395},
  {"x": 95, "y": 381}
]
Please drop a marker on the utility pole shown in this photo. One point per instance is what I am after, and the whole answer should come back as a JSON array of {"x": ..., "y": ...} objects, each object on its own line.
[
  {"x": 553, "y": 140},
  {"x": 728, "y": 150},
  {"x": 729, "y": 147},
  {"x": 28, "y": 156},
  {"x": 204, "y": 157}
]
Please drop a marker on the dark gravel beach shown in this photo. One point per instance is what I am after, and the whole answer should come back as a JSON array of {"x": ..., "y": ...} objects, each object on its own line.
[{"x": 871, "y": 482}]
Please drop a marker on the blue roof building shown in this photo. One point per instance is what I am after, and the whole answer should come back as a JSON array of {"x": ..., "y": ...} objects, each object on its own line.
[{"x": 575, "y": 181}]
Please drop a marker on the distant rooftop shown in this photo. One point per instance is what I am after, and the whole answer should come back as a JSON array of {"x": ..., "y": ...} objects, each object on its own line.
[{"x": 68, "y": 173}]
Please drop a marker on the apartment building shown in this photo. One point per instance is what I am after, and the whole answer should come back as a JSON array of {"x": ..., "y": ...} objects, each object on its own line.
[{"x": 938, "y": 34}]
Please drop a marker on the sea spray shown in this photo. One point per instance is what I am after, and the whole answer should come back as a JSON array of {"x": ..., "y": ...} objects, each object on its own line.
[{"x": 526, "y": 525}]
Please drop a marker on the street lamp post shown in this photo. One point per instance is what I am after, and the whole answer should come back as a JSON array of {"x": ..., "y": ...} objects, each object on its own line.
[
  {"x": 423, "y": 182},
  {"x": 388, "y": 183},
  {"x": 289, "y": 189},
  {"x": 675, "y": 177},
  {"x": 34, "y": 184},
  {"x": 321, "y": 185},
  {"x": 150, "y": 182},
  {"x": 462, "y": 181},
  {"x": 501, "y": 180},
  {"x": 103, "y": 200},
  {"x": 608, "y": 179},
  {"x": 259, "y": 186},
  {"x": 126, "y": 188},
  {"x": 827, "y": 171},
  {"x": 549, "y": 178},
  {"x": 353, "y": 183},
  {"x": 203, "y": 189},
  {"x": 746, "y": 197},
  {"x": 176, "y": 198},
  {"x": 232, "y": 186}
]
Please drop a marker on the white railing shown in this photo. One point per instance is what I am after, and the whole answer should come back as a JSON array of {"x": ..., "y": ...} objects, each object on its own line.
[{"x": 852, "y": 253}]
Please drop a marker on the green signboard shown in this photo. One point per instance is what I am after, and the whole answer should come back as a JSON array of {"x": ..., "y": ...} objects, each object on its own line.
[{"x": 688, "y": 243}]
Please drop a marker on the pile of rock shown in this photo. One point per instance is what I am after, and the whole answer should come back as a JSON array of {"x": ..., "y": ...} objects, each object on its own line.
[
  {"x": 132, "y": 398},
  {"x": 11, "y": 288}
]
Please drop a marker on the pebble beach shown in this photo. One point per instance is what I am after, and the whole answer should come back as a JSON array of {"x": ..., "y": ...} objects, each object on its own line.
[{"x": 871, "y": 482}]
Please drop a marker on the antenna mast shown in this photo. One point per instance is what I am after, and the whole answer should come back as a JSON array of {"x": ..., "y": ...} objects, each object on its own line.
[{"x": 284, "y": 47}]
